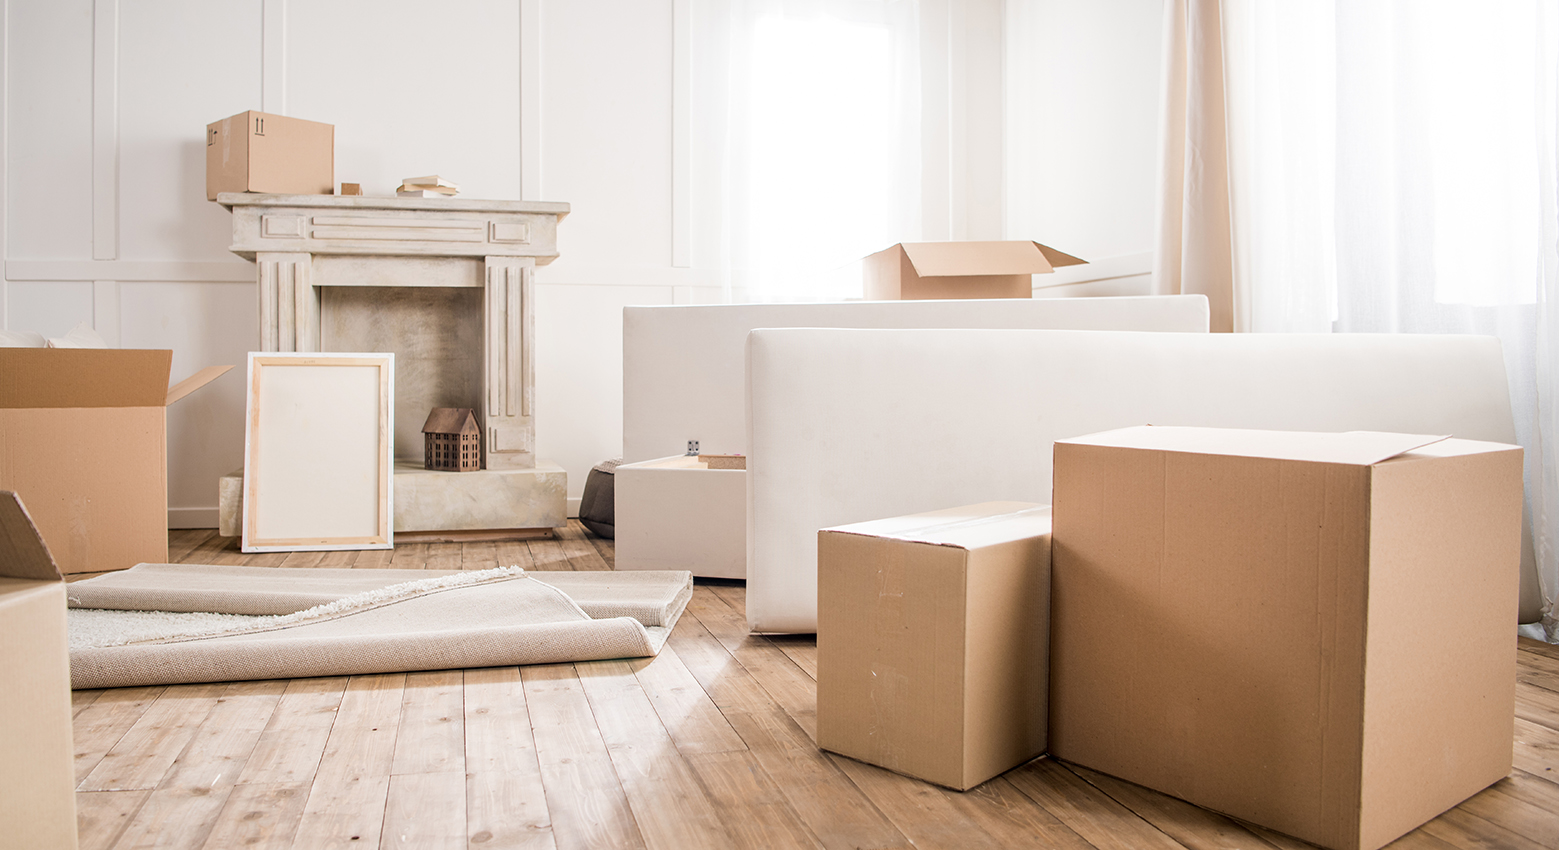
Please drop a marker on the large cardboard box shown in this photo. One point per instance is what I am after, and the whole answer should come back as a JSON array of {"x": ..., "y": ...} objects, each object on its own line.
[
  {"x": 932, "y": 641},
  {"x": 83, "y": 440},
  {"x": 676, "y": 513},
  {"x": 37, "y": 762},
  {"x": 261, "y": 152},
  {"x": 914, "y": 271},
  {"x": 1312, "y": 632}
]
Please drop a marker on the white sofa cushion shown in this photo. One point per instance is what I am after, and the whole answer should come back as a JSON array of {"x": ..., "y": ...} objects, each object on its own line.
[
  {"x": 852, "y": 425},
  {"x": 683, "y": 373}
]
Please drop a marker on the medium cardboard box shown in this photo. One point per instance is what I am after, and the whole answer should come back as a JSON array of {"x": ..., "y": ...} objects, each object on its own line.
[
  {"x": 83, "y": 440},
  {"x": 37, "y": 763},
  {"x": 260, "y": 152},
  {"x": 914, "y": 271},
  {"x": 676, "y": 513},
  {"x": 932, "y": 641},
  {"x": 1312, "y": 632}
]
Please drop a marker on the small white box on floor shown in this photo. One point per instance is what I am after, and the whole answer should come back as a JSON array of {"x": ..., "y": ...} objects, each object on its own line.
[{"x": 674, "y": 513}]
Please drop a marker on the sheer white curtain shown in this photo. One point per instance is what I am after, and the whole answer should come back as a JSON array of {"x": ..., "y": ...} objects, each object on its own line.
[
  {"x": 807, "y": 128},
  {"x": 1390, "y": 167}
]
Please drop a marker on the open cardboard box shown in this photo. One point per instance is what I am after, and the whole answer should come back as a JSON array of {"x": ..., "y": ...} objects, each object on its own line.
[
  {"x": 37, "y": 765},
  {"x": 914, "y": 271},
  {"x": 1308, "y": 631},
  {"x": 83, "y": 439}
]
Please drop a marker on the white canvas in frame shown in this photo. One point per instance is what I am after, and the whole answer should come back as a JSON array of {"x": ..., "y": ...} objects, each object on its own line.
[{"x": 318, "y": 452}]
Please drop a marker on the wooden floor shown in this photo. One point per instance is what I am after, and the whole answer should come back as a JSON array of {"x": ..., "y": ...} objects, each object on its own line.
[{"x": 708, "y": 745}]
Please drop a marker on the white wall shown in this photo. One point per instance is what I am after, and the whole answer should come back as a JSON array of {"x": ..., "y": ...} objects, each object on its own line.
[{"x": 102, "y": 169}]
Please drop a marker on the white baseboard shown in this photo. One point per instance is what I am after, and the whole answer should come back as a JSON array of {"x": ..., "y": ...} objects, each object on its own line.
[
  {"x": 573, "y": 508},
  {"x": 192, "y": 517}
]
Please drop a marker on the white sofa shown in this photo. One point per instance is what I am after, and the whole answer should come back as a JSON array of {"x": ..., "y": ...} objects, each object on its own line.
[
  {"x": 853, "y": 425},
  {"x": 684, "y": 378}
]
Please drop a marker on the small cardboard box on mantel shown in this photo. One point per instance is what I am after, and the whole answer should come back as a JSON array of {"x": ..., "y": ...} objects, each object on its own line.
[
  {"x": 261, "y": 152},
  {"x": 915, "y": 271},
  {"x": 83, "y": 440},
  {"x": 1313, "y": 632}
]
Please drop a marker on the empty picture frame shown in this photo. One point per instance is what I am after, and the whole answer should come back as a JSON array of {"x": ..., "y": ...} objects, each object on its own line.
[{"x": 319, "y": 452}]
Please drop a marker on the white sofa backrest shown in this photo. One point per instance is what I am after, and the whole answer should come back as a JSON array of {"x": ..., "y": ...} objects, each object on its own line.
[
  {"x": 853, "y": 425},
  {"x": 683, "y": 367}
]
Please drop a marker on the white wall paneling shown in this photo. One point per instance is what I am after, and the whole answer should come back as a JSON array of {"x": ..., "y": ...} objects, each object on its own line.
[
  {"x": 105, "y": 129},
  {"x": 102, "y": 166}
]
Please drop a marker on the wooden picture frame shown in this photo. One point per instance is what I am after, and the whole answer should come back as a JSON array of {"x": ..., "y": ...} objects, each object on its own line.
[{"x": 319, "y": 452}]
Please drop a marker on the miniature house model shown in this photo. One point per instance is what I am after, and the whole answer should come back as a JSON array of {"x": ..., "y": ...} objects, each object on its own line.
[{"x": 452, "y": 440}]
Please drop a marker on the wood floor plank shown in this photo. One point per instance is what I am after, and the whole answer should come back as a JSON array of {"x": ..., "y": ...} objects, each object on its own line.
[
  {"x": 801, "y": 650},
  {"x": 604, "y": 547},
  {"x": 148, "y": 749},
  {"x": 585, "y": 799},
  {"x": 1538, "y": 705},
  {"x": 261, "y": 817},
  {"x": 1192, "y": 826},
  {"x": 757, "y": 815},
  {"x": 833, "y": 807},
  {"x": 432, "y": 725},
  {"x": 506, "y": 803},
  {"x": 98, "y": 727},
  {"x": 920, "y": 810},
  {"x": 1086, "y": 810},
  {"x": 339, "y": 559},
  {"x": 548, "y": 555},
  {"x": 1518, "y": 809},
  {"x": 101, "y": 816},
  {"x": 732, "y": 592},
  {"x": 689, "y": 715},
  {"x": 182, "y": 542},
  {"x": 1537, "y": 750},
  {"x": 304, "y": 560},
  {"x": 513, "y": 553},
  {"x": 221, "y": 747},
  {"x": 373, "y": 559},
  {"x": 426, "y": 811},
  {"x": 1460, "y": 828},
  {"x": 346, "y": 801},
  {"x": 79, "y": 700},
  {"x": 442, "y": 556},
  {"x": 788, "y": 685},
  {"x": 581, "y": 555},
  {"x": 177, "y": 818},
  {"x": 409, "y": 556},
  {"x": 727, "y": 683},
  {"x": 290, "y": 747},
  {"x": 1538, "y": 647},
  {"x": 1013, "y": 819},
  {"x": 478, "y": 556},
  {"x": 669, "y": 804}
]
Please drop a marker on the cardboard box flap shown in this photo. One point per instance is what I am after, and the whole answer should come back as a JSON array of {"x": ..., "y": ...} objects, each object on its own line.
[
  {"x": 958, "y": 259},
  {"x": 1057, "y": 258},
  {"x": 83, "y": 377},
  {"x": 22, "y": 550},
  {"x": 968, "y": 527},
  {"x": 1359, "y": 448},
  {"x": 195, "y": 382}
]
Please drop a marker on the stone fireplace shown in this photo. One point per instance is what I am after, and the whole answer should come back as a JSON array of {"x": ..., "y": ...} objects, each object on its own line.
[{"x": 445, "y": 284}]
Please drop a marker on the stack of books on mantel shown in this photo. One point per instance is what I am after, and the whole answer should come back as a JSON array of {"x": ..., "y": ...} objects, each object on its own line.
[{"x": 432, "y": 186}]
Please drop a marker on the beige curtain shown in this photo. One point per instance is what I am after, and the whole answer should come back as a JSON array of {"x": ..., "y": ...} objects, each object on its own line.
[{"x": 1195, "y": 252}]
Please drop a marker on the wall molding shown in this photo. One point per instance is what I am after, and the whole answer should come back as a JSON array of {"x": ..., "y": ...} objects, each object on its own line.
[
  {"x": 105, "y": 129},
  {"x": 165, "y": 271}
]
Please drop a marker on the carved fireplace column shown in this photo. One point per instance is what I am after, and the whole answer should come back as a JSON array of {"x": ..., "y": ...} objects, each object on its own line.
[{"x": 510, "y": 370}]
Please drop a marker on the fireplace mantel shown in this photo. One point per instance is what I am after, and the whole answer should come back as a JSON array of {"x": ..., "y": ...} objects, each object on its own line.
[
  {"x": 451, "y": 295},
  {"x": 301, "y": 243}
]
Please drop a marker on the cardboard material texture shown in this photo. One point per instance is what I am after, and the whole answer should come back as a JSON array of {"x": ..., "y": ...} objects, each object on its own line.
[
  {"x": 914, "y": 271},
  {"x": 83, "y": 440},
  {"x": 1308, "y": 631},
  {"x": 932, "y": 641},
  {"x": 37, "y": 763},
  {"x": 261, "y": 152}
]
